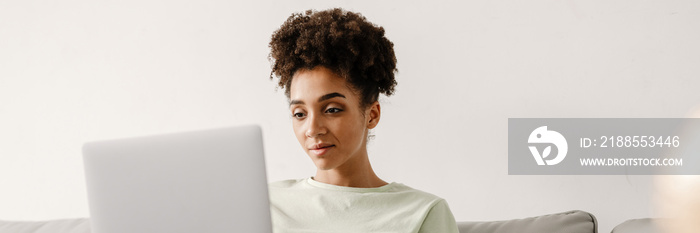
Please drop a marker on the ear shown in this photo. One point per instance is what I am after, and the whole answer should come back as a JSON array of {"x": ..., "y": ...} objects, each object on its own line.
[{"x": 374, "y": 112}]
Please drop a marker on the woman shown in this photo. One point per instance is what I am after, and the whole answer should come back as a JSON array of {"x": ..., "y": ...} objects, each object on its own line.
[{"x": 333, "y": 65}]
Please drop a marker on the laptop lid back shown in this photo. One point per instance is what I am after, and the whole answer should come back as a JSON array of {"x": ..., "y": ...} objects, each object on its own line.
[{"x": 200, "y": 181}]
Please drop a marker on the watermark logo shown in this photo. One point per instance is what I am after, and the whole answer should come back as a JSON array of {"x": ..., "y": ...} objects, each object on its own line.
[
  {"x": 542, "y": 135},
  {"x": 604, "y": 146}
]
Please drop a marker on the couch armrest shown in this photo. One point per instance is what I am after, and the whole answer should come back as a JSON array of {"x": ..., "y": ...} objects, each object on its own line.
[{"x": 575, "y": 221}]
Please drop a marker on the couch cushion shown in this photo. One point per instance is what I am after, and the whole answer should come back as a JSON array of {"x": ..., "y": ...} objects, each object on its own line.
[
  {"x": 642, "y": 225},
  {"x": 574, "y": 221},
  {"x": 567, "y": 222},
  {"x": 78, "y": 225}
]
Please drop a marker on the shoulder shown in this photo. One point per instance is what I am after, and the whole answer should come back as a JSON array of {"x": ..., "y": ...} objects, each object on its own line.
[
  {"x": 415, "y": 194},
  {"x": 287, "y": 190},
  {"x": 285, "y": 183},
  {"x": 436, "y": 215}
]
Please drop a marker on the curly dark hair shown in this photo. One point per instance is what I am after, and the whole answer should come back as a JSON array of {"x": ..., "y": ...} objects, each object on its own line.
[{"x": 342, "y": 41}]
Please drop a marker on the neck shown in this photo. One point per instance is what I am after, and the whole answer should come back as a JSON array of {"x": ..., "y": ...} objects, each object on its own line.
[{"x": 358, "y": 174}]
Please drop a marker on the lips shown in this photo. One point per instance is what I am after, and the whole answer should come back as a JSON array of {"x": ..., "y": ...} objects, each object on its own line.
[{"x": 321, "y": 148}]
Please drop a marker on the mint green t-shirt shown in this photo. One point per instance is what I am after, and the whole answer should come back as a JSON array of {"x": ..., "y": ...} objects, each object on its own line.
[{"x": 309, "y": 206}]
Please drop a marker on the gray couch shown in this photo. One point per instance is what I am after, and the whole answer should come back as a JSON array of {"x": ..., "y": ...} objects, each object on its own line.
[{"x": 575, "y": 221}]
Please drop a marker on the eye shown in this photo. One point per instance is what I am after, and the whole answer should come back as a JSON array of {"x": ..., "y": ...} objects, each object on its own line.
[
  {"x": 298, "y": 115},
  {"x": 333, "y": 110}
]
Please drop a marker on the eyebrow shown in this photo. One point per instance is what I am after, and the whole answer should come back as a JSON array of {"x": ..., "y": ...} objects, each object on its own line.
[{"x": 320, "y": 99}]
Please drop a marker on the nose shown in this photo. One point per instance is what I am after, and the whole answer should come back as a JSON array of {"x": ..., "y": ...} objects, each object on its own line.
[{"x": 315, "y": 126}]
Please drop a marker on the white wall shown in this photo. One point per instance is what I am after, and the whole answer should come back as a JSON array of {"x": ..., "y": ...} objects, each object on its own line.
[{"x": 76, "y": 71}]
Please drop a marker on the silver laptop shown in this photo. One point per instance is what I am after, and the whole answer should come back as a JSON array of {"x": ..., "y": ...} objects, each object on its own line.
[{"x": 200, "y": 181}]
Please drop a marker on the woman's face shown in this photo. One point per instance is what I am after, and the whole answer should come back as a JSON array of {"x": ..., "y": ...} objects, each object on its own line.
[{"x": 327, "y": 118}]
